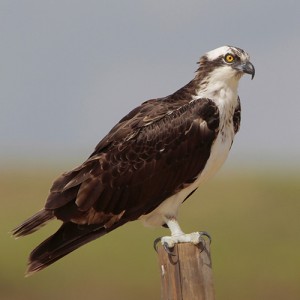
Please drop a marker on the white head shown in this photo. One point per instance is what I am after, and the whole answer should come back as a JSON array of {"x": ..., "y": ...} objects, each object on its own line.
[
  {"x": 228, "y": 61},
  {"x": 220, "y": 70}
]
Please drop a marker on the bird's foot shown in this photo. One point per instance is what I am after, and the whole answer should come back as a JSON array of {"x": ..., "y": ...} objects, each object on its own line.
[{"x": 169, "y": 242}]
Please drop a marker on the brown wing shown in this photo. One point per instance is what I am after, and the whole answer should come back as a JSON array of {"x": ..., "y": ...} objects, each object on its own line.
[
  {"x": 148, "y": 112},
  {"x": 237, "y": 117},
  {"x": 138, "y": 165},
  {"x": 144, "y": 159}
]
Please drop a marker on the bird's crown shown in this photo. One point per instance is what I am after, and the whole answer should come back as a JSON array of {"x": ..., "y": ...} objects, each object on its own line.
[{"x": 233, "y": 61}]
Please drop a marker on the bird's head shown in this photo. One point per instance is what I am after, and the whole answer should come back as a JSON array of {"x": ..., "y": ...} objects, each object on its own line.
[{"x": 226, "y": 62}]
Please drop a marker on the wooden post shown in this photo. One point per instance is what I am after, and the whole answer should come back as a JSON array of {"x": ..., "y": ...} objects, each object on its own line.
[{"x": 188, "y": 274}]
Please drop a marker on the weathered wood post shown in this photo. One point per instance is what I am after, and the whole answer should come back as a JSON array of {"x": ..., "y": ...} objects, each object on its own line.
[{"x": 188, "y": 274}]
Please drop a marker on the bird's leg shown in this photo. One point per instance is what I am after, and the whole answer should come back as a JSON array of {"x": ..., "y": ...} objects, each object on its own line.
[{"x": 178, "y": 236}]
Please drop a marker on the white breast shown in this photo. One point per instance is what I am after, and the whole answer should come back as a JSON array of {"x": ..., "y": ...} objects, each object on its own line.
[
  {"x": 225, "y": 98},
  {"x": 169, "y": 207}
]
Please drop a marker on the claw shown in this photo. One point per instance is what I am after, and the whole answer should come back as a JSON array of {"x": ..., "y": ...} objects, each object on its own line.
[
  {"x": 204, "y": 233},
  {"x": 167, "y": 249},
  {"x": 165, "y": 245},
  {"x": 156, "y": 241},
  {"x": 169, "y": 241}
]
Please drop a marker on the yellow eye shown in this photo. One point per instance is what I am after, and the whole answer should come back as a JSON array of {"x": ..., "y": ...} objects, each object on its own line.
[{"x": 229, "y": 58}]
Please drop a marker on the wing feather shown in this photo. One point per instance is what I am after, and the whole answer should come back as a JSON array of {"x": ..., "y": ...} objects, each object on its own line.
[
  {"x": 237, "y": 117},
  {"x": 145, "y": 158}
]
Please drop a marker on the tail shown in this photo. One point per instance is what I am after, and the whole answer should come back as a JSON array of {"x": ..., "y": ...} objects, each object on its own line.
[
  {"x": 68, "y": 238},
  {"x": 34, "y": 223}
]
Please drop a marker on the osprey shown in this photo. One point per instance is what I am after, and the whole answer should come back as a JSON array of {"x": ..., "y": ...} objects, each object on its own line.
[{"x": 149, "y": 163}]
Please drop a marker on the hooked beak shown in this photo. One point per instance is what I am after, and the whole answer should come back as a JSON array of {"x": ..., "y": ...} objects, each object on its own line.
[{"x": 247, "y": 68}]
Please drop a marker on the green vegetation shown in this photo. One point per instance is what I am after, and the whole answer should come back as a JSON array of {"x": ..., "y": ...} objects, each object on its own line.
[{"x": 254, "y": 220}]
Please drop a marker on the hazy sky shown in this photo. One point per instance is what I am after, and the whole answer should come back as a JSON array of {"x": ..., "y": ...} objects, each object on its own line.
[{"x": 71, "y": 69}]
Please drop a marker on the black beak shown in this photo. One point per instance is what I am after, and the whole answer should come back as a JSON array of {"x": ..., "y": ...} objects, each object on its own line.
[{"x": 248, "y": 68}]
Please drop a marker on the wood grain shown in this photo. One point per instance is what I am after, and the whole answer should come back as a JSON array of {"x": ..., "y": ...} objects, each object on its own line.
[{"x": 188, "y": 274}]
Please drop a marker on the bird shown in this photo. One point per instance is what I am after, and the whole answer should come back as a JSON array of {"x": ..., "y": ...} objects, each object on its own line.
[{"x": 148, "y": 164}]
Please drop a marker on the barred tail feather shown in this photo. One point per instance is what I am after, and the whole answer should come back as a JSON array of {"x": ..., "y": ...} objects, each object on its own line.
[
  {"x": 68, "y": 238},
  {"x": 34, "y": 223}
]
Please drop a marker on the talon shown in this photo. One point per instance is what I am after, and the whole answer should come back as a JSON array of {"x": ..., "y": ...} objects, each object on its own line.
[
  {"x": 201, "y": 233},
  {"x": 167, "y": 249},
  {"x": 156, "y": 241},
  {"x": 165, "y": 245}
]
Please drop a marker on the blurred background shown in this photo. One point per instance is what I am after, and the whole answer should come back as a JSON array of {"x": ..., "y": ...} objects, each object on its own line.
[{"x": 71, "y": 69}]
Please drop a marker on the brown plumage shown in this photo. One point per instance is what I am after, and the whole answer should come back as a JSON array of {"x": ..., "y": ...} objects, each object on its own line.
[
  {"x": 156, "y": 150},
  {"x": 129, "y": 174}
]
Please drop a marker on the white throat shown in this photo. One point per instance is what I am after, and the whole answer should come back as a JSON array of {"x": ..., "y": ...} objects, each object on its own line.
[{"x": 222, "y": 92}]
